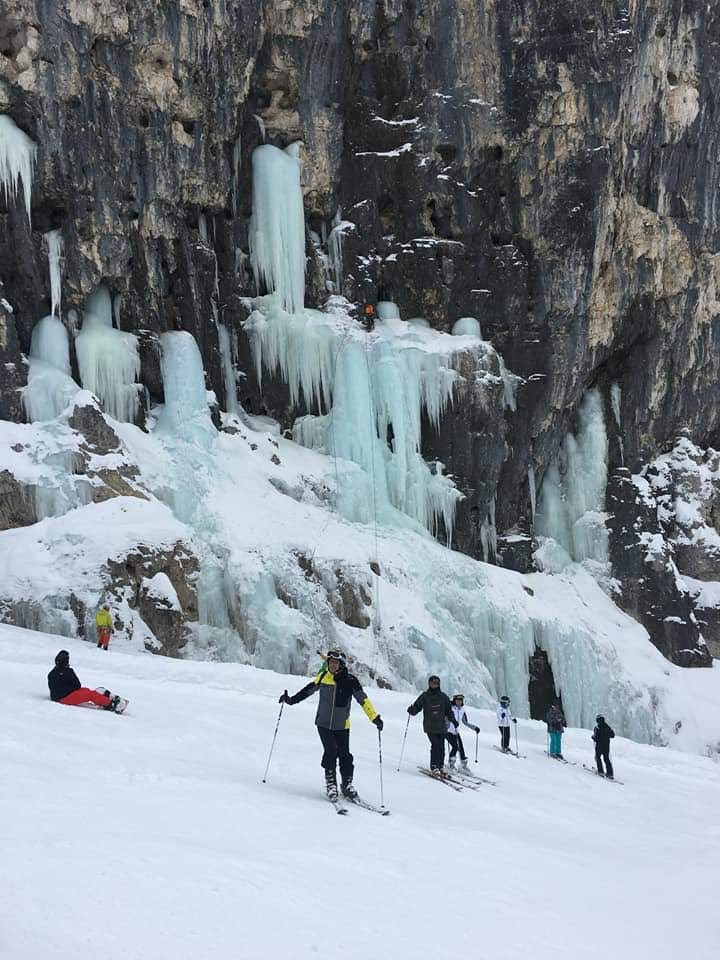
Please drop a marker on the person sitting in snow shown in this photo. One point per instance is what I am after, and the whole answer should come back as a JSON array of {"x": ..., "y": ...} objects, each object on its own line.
[
  {"x": 453, "y": 731},
  {"x": 104, "y": 624},
  {"x": 336, "y": 687},
  {"x": 555, "y": 720},
  {"x": 66, "y": 688}
]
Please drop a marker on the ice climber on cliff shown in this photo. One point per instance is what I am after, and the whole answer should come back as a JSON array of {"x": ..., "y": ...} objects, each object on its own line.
[{"x": 336, "y": 687}]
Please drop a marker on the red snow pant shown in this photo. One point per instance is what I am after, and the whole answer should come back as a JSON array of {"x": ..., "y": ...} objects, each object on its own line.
[
  {"x": 84, "y": 695},
  {"x": 104, "y": 637}
]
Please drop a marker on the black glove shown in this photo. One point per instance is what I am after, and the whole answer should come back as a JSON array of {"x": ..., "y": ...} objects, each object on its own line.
[
  {"x": 378, "y": 722},
  {"x": 284, "y": 697},
  {"x": 514, "y": 720},
  {"x": 410, "y": 710},
  {"x": 477, "y": 729}
]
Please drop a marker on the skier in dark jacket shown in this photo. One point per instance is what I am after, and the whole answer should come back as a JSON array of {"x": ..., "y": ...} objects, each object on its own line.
[
  {"x": 336, "y": 688},
  {"x": 555, "y": 721},
  {"x": 602, "y": 735},
  {"x": 437, "y": 712},
  {"x": 66, "y": 688}
]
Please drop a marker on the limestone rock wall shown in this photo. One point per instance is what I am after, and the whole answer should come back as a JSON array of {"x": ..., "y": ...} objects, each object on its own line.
[{"x": 549, "y": 168}]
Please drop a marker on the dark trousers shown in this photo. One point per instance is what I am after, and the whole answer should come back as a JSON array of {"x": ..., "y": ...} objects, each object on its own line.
[
  {"x": 603, "y": 753},
  {"x": 455, "y": 741},
  {"x": 504, "y": 737},
  {"x": 437, "y": 750},
  {"x": 336, "y": 744}
]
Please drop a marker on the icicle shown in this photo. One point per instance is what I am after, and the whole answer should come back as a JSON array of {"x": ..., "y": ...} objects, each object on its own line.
[
  {"x": 202, "y": 226},
  {"x": 17, "y": 161},
  {"x": 55, "y": 251},
  {"x": 488, "y": 535},
  {"x": 467, "y": 327},
  {"x": 50, "y": 388},
  {"x": 108, "y": 359},
  {"x": 261, "y": 125},
  {"x": 277, "y": 226},
  {"x": 510, "y": 382},
  {"x": 335, "y": 249},
  {"x": 532, "y": 489},
  {"x": 226, "y": 358},
  {"x": 615, "y": 402},
  {"x": 572, "y": 497}
]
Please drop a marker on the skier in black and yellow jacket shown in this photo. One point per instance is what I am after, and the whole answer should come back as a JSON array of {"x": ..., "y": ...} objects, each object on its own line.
[{"x": 336, "y": 687}]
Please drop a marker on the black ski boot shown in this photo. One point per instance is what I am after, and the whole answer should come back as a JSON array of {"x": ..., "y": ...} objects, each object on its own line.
[
  {"x": 331, "y": 785},
  {"x": 114, "y": 701},
  {"x": 349, "y": 791}
]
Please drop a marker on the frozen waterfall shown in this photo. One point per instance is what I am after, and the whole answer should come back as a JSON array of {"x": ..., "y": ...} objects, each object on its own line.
[
  {"x": 108, "y": 358},
  {"x": 50, "y": 388},
  {"x": 371, "y": 393},
  {"x": 17, "y": 161},
  {"x": 277, "y": 227},
  {"x": 571, "y": 503}
]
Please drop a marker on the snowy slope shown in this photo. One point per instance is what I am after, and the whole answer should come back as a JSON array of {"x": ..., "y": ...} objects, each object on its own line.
[{"x": 151, "y": 834}]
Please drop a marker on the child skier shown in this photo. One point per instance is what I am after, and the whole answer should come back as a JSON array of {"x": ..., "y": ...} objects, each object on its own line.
[
  {"x": 437, "y": 713},
  {"x": 555, "y": 721},
  {"x": 453, "y": 731},
  {"x": 504, "y": 719},
  {"x": 104, "y": 624},
  {"x": 336, "y": 687},
  {"x": 602, "y": 735},
  {"x": 65, "y": 688}
]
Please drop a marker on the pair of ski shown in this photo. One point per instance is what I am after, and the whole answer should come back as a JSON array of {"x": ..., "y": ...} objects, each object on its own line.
[
  {"x": 512, "y": 753},
  {"x": 602, "y": 776},
  {"x": 458, "y": 781},
  {"x": 358, "y": 802},
  {"x": 560, "y": 759}
]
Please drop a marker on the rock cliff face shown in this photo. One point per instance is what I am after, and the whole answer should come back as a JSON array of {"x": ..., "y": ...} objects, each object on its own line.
[{"x": 549, "y": 168}]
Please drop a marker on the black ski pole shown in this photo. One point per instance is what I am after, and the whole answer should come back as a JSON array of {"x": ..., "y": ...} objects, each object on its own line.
[
  {"x": 548, "y": 744},
  {"x": 382, "y": 799},
  {"x": 402, "y": 749},
  {"x": 517, "y": 749},
  {"x": 477, "y": 735},
  {"x": 272, "y": 745}
]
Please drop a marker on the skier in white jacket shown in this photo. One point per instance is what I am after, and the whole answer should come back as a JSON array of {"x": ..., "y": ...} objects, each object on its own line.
[
  {"x": 504, "y": 719},
  {"x": 453, "y": 731}
]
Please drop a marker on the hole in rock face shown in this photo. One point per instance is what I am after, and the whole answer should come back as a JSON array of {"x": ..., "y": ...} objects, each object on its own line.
[
  {"x": 367, "y": 46},
  {"x": 448, "y": 152},
  {"x": 430, "y": 44},
  {"x": 188, "y": 126},
  {"x": 497, "y": 152},
  {"x": 386, "y": 212},
  {"x": 144, "y": 121},
  {"x": 660, "y": 30},
  {"x": 672, "y": 78}
]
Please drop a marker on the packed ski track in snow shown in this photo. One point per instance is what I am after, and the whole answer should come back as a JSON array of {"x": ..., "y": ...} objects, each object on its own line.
[{"x": 151, "y": 834}]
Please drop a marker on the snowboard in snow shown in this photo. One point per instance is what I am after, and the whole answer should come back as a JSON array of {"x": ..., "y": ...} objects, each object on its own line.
[{"x": 122, "y": 703}]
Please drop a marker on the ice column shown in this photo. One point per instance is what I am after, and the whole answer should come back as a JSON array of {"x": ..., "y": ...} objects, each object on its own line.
[
  {"x": 277, "y": 227},
  {"x": 571, "y": 506},
  {"x": 17, "y": 161},
  {"x": 108, "y": 358},
  {"x": 615, "y": 400},
  {"x": 55, "y": 252},
  {"x": 228, "y": 369},
  {"x": 50, "y": 387}
]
